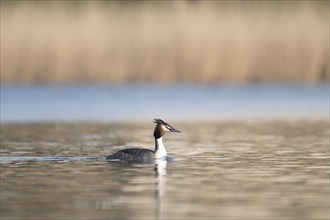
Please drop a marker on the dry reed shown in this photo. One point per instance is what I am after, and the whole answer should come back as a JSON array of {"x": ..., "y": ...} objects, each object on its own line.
[{"x": 194, "y": 42}]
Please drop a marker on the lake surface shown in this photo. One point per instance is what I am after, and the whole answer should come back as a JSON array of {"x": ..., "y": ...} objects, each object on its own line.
[
  {"x": 245, "y": 152},
  {"x": 141, "y": 103},
  {"x": 222, "y": 170}
]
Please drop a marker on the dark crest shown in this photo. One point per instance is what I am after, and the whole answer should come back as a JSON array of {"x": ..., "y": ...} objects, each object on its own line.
[{"x": 160, "y": 121}]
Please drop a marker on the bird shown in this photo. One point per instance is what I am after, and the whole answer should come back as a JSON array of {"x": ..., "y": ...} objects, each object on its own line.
[{"x": 142, "y": 155}]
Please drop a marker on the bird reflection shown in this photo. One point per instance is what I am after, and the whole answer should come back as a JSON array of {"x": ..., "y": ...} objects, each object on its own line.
[{"x": 160, "y": 169}]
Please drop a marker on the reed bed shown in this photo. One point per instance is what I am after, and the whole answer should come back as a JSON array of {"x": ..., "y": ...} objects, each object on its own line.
[{"x": 165, "y": 42}]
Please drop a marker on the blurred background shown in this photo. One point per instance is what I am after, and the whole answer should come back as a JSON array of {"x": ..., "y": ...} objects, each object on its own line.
[
  {"x": 175, "y": 59},
  {"x": 204, "y": 42}
]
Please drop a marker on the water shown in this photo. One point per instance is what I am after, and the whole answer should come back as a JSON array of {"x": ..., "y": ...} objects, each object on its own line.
[
  {"x": 248, "y": 152},
  {"x": 262, "y": 169},
  {"x": 138, "y": 103}
]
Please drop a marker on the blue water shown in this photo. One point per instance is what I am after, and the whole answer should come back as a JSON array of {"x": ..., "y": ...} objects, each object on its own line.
[{"x": 74, "y": 103}]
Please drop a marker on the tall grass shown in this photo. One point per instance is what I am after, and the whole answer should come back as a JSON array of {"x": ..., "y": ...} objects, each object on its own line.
[{"x": 175, "y": 41}]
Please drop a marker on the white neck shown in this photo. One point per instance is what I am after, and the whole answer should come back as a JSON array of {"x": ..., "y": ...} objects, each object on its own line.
[{"x": 160, "y": 150}]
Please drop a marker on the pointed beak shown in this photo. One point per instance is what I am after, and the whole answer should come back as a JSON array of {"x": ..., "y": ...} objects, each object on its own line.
[{"x": 174, "y": 130}]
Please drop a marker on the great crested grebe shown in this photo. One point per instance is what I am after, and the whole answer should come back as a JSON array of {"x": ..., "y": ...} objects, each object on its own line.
[{"x": 145, "y": 155}]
